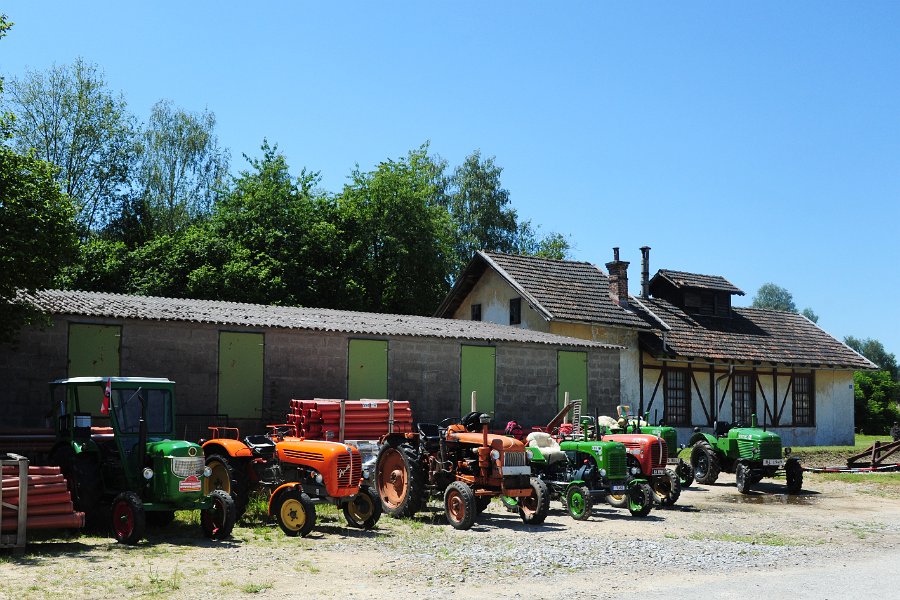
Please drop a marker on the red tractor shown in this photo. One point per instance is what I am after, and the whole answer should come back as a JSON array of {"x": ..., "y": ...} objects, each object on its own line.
[{"x": 647, "y": 458}]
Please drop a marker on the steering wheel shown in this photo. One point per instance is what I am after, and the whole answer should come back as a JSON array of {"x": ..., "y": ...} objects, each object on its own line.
[{"x": 472, "y": 421}]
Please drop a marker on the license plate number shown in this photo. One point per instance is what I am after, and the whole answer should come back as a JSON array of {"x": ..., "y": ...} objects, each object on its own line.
[
  {"x": 659, "y": 472},
  {"x": 672, "y": 461},
  {"x": 772, "y": 462},
  {"x": 618, "y": 488}
]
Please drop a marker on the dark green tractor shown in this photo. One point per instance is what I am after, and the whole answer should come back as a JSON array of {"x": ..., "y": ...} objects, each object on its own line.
[
  {"x": 750, "y": 453},
  {"x": 117, "y": 447}
]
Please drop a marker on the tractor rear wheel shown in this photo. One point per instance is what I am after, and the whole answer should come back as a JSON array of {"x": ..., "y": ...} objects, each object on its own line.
[
  {"x": 128, "y": 518},
  {"x": 534, "y": 508},
  {"x": 218, "y": 520},
  {"x": 685, "y": 473},
  {"x": 459, "y": 504},
  {"x": 640, "y": 500},
  {"x": 743, "y": 478},
  {"x": 579, "y": 502},
  {"x": 399, "y": 480},
  {"x": 294, "y": 512},
  {"x": 793, "y": 472},
  {"x": 228, "y": 475},
  {"x": 666, "y": 488},
  {"x": 364, "y": 510},
  {"x": 705, "y": 463}
]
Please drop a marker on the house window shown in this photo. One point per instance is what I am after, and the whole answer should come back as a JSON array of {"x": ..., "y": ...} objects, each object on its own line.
[
  {"x": 803, "y": 401},
  {"x": 743, "y": 398},
  {"x": 476, "y": 312},
  {"x": 515, "y": 311},
  {"x": 677, "y": 395}
]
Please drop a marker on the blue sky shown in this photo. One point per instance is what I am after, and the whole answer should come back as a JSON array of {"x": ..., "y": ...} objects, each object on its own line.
[{"x": 757, "y": 141}]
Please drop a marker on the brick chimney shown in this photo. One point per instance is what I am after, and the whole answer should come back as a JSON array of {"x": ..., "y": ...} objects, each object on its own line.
[{"x": 618, "y": 279}]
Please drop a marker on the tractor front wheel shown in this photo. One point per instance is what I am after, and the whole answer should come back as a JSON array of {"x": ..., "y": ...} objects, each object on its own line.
[
  {"x": 579, "y": 502},
  {"x": 228, "y": 475},
  {"x": 364, "y": 510},
  {"x": 399, "y": 480},
  {"x": 794, "y": 474},
  {"x": 218, "y": 520},
  {"x": 666, "y": 488},
  {"x": 128, "y": 518},
  {"x": 685, "y": 473},
  {"x": 294, "y": 512},
  {"x": 640, "y": 500},
  {"x": 459, "y": 504},
  {"x": 705, "y": 463},
  {"x": 743, "y": 478},
  {"x": 534, "y": 508}
]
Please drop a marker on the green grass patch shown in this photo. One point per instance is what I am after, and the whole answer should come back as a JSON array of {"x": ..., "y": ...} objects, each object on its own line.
[
  {"x": 255, "y": 588},
  {"x": 761, "y": 539}
]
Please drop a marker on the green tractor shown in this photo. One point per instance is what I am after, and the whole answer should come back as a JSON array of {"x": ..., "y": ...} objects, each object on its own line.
[
  {"x": 129, "y": 462},
  {"x": 750, "y": 453}
]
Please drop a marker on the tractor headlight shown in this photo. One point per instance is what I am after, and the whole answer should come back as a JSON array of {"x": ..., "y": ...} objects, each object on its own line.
[
  {"x": 207, "y": 471},
  {"x": 495, "y": 455},
  {"x": 148, "y": 473},
  {"x": 365, "y": 473},
  {"x": 635, "y": 470},
  {"x": 602, "y": 472},
  {"x": 319, "y": 479},
  {"x": 529, "y": 454}
]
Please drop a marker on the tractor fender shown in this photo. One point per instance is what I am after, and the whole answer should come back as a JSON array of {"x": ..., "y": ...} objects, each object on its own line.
[
  {"x": 280, "y": 490},
  {"x": 534, "y": 454},
  {"x": 636, "y": 481},
  {"x": 396, "y": 438},
  {"x": 702, "y": 437},
  {"x": 233, "y": 448},
  {"x": 571, "y": 484}
]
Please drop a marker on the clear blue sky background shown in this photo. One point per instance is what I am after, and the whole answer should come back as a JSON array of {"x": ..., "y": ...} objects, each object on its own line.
[{"x": 758, "y": 141}]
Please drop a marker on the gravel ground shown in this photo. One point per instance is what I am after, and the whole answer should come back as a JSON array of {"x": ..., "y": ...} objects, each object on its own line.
[{"x": 820, "y": 544}]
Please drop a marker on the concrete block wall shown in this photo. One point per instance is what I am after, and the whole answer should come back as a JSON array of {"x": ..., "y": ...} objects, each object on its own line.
[
  {"x": 425, "y": 372},
  {"x": 604, "y": 384},
  {"x": 526, "y": 385}
]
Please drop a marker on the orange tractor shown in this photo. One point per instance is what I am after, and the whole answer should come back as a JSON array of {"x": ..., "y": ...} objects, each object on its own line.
[
  {"x": 299, "y": 473},
  {"x": 461, "y": 462}
]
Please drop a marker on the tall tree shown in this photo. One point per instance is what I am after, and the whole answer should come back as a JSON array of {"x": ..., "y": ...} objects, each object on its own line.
[
  {"x": 181, "y": 169},
  {"x": 774, "y": 297},
  {"x": 70, "y": 119},
  {"x": 398, "y": 237},
  {"x": 37, "y": 228},
  {"x": 876, "y": 352}
]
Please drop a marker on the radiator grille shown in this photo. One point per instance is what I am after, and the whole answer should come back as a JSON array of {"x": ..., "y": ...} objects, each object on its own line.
[
  {"x": 187, "y": 466},
  {"x": 659, "y": 453},
  {"x": 514, "y": 459},
  {"x": 616, "y": 465},
  {"x": 349, "y": 470}
]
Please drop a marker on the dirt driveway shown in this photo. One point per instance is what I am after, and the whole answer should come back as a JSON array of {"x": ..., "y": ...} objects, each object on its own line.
[{"x": 835, "y": 540}]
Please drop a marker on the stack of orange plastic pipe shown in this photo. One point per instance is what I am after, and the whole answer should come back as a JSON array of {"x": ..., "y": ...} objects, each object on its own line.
[
  {"x": 49, "y": 501},
  {"x": 363, "y": 420}
]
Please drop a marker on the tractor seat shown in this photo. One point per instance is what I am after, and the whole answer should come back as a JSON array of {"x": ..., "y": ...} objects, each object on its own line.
[
  {"x": 260, "y": 445},
  {"x": 431, "y": 434},
  {"x": 547, "y": 445},
  {"x": 721, "y": 428}
]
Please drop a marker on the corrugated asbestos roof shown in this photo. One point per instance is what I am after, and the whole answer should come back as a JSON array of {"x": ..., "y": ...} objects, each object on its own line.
[
  {"x": 681, "y": 279},
  {"x": 751, "y": 334},
  {"x": 119, "y": 306}
]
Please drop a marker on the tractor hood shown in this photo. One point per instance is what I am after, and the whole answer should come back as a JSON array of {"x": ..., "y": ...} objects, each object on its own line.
[
  {"x": 300, "y": 450},
  {"x": 753, "y": 433},
  {"x": 164, "y": 448},
  {"x": 510, "y": 444}
]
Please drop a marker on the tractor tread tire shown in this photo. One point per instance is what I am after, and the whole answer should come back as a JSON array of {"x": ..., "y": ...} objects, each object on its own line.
[
  {"x": 705, "y": 463},
  {"x": 129, "y": 510},
  {"x": 540, "y": 507},
  {"x": 463, "y": 501},
  {"x": 793, "y": 473},
  {"x": 218, "y": 521},
  {"x": 238, "y": 484},
  {"x": 414, "y": 498}
]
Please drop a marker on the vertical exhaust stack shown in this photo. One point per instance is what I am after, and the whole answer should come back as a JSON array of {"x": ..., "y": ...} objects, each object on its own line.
[
  {"x": 645, "y": 271},
  {"x": 618, "y": 279}
]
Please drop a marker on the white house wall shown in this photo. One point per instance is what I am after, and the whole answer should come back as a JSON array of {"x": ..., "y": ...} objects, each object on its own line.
[{"x": 494, "y": 293}]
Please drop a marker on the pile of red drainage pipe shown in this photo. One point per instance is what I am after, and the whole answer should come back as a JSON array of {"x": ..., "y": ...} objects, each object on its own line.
[
  {"x": 363, "y": 419},
  {"x": 49, "y": 502}
]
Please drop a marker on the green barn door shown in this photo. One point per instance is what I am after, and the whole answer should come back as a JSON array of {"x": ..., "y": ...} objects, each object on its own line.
[
  {"x": 477, "y": 372},
  {"x": 241, "y": 374},
  {"x": 571, "y": 369},
  {"x": 93, "y": 352},
  {"x": 367, "y": 369}
]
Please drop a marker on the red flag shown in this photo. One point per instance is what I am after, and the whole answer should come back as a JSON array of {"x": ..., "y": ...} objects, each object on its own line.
[{"x": 107, "y": 393}]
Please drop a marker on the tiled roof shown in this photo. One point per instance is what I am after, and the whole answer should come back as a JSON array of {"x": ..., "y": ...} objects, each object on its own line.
[
  {"x": 680, "y": 279},
  {"x": 558, "y": 289},
  {"x": 751, "y": 334},
  {"x": 119, "y": 306}
]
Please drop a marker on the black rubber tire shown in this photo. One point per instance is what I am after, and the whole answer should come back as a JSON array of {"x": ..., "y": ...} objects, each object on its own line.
[
  {"x": 666, "y": 488},
  {"x": 299, "y": 510},
  {"x": 510, "y": 504},
  {"x": 459, "y": 505},
  {"x": 412, "y": 498},
  {"x": 534, "y": 508},
  {"x": 793, "y": 473},
  {"x": 160, "y": 518},
  {"x": 742, "y": 477},
  {"x": 640, "y": 500},
  {"x": 579, "y": 502},
  {"x": 128, "y": 518},
  {"x": 482, "y": 502},
  {"x": 218, "y": 521},
  {"x": 685, "y": 473},
  {"x": 364, "y": 510},
  {"x": 229, "y": 474},
  {"x": 705, "y": 463}
]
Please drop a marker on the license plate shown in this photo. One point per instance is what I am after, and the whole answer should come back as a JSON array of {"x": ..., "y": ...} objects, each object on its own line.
[
  {"x": 659, "y": 472},
  {"x": 672, "y": 461},
  {"x": 772, "y": 462},
  {"x": 618, "y": 488}
]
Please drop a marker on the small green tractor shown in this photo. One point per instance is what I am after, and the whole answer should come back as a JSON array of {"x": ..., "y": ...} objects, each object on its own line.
[
  {"x": 750, "y": 453},
  {"x": 129, "y": 460}
]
